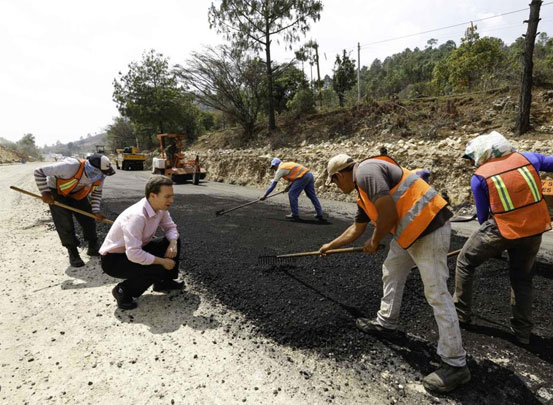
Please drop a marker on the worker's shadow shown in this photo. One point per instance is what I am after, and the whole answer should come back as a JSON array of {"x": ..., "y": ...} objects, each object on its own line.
[
  {"x": 88, "y": 276},
  {"x": 502, "y": 385},
  {"x": 165, "y": 313},
  {"x": 540, "y": 346}
]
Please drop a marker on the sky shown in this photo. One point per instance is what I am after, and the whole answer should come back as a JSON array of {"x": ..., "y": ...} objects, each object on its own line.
[{"x": 60, "y": 57}]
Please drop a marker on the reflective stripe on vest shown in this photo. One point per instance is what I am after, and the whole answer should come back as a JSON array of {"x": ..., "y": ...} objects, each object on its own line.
[
  {"x": 66, "y": 186},
  {"x": 516, "y": 201},
  {"x": 416, "y": 204},
  {"x": 297, "y": 171}
]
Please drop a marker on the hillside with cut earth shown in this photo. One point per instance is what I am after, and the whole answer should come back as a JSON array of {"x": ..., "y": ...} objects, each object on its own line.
[{"x": 420, "y": 133}]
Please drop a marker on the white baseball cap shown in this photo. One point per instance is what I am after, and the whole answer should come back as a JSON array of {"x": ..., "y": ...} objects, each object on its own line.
[
  {"x": 338, "y": 163},
  {"x": 102, "y": 162}
]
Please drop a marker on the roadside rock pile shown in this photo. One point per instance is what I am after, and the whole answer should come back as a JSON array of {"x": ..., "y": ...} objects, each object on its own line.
[
  {"x": 8, "y": 155},
  {"x": 442, "y": 157}
]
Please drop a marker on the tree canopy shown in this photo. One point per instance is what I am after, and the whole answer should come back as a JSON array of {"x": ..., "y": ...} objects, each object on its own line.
[
  {"x": 344, "y": 76},
  {"x": 150, "y": 96}
]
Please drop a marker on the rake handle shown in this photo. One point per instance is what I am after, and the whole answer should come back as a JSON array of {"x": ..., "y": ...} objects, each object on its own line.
[
  {"x": 67, "y": 207},
  {"x": 328, "y": 252},
  {"x": 245, "y": 205}
]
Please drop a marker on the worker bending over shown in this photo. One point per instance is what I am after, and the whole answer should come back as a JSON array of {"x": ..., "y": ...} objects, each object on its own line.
[
  {"x": 130, "y": 252},
  {"x": 72, "y": 182},
  {"x": 399, "y": 202},
  {"x": 513, "y": 215},
  {"x": 300, "y": 179}
]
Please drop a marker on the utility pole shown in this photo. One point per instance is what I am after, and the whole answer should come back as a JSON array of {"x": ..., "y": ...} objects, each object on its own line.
[
  {"x": 358, "y": 74},
  {"x": 318, "y": 75},
  {"x": 523, "y": 120}
]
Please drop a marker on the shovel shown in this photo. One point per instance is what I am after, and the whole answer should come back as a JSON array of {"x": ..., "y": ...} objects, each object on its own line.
[
  {"x": 222, "y": 212},
  {"x": 67, "y": 207}
]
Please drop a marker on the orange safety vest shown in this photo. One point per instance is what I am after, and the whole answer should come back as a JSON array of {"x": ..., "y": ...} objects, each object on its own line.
[
  {"x": 416, "y": 204},
  {"x": 297, "y": 171},
  {"x": 65, "y": 186},
  {"x": 516, "y": 199}
]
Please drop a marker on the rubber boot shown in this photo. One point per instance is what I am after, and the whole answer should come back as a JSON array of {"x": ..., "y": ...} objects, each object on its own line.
[
  {"x": 74, "y": 258},
  {"x": 93, "y": 248}
]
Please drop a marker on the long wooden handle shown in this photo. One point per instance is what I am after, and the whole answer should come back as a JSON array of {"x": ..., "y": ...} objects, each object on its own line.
[
  {"x": 222, "y": 212},
  {"x": 328, "y": 252},
  {"x": 67, "y": 207}
]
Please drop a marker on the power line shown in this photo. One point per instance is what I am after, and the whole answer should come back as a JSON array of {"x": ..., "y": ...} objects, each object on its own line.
[{"x": 449, "y": 26}]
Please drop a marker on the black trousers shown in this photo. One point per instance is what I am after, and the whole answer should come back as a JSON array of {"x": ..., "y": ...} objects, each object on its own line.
[
  {"x": 63, "y": 220},
  {"x": 139, "y": 277}
]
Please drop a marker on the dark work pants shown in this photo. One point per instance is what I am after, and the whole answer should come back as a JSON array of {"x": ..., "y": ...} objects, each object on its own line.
[
  {"x": 485, "y": 243},
  {"x": 307, "y": 184},
  {"x": 139, "y": 277},
  {"x": 63, "y": 220}
]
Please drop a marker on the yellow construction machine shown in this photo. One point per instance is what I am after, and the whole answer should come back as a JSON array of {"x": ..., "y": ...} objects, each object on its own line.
[
  {"x": 173, "y": 163},
  {"x": 130, "y": 159}
]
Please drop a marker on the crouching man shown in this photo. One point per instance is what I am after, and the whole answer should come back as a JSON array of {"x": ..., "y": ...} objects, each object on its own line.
[{"x": 130, "y": 252}]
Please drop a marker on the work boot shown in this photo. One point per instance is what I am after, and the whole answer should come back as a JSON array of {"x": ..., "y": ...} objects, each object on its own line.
[
  {"x": 124, "y": 301},
  {"x": 74, "y": 258},
  {"x": 168, "y": 285},
  {"x": 93, "y": 248},
  {"x": 465, "y": 323},
  {"x": 371, "y": 327},
  {"x": 521, "y": 338},
  {"x": 446, "y": 378},
  {"x": 293, "y": 217}
]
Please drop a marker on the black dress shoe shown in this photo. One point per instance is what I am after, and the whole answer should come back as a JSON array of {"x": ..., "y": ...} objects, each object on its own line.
[
  {"x": 124, "y": 301},
  {"x": 168, "y": 285},
  {"x": 74, "y": 258},
  {"x": 93, "y": 248}
]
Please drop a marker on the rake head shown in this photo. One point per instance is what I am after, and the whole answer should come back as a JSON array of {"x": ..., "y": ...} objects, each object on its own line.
[{"x": 275, "y": 260}]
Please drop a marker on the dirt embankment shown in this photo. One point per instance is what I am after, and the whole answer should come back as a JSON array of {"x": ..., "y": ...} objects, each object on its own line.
[
  {"x": 429, "y": 133},
  {"x": 8, "y": 155}
]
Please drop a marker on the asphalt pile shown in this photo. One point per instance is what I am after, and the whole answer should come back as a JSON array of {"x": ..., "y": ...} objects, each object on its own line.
[{"x": 311, "y": 304}]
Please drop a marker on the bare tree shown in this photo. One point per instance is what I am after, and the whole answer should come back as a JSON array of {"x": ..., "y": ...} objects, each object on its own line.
[{"x": 227, "y": 80}]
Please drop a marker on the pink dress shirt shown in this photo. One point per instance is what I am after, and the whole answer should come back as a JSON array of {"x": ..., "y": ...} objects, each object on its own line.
[{"x": 134, "y": 228}]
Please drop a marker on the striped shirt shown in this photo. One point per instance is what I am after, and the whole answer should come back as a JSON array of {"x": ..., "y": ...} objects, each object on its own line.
[{"x": 45, "y": 178}]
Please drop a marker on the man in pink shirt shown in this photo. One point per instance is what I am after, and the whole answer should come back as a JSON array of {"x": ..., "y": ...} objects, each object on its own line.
[{"x": 130, "y": 252}]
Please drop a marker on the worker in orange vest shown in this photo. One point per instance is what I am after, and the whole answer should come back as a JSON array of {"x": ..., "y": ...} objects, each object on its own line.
[
  {"x": 77, "y": 183},
  {"x": 513, "y": 215},
  {"x": 301, "y": 179},
  {"x": 398, "y": 201}
]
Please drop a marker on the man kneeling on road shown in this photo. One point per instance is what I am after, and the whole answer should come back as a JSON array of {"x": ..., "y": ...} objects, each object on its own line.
[
  {"x": 130, "y": 252},
  {"x": 399, "y": 202}
]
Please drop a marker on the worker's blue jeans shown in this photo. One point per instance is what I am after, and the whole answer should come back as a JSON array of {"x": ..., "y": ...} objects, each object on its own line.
[{"x": 304, "y": 183}]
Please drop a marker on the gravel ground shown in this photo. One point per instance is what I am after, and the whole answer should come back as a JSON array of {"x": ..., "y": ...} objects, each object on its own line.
[{"x": 242, "y": 332}]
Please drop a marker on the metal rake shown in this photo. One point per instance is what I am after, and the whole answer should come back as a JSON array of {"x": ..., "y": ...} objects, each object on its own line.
[{"x": 290, "y": 258}]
